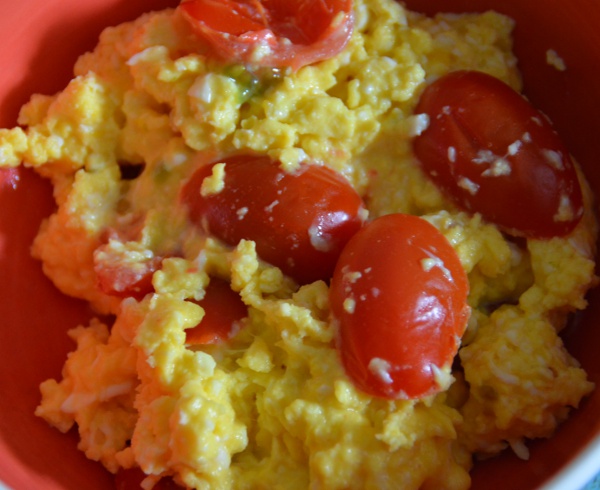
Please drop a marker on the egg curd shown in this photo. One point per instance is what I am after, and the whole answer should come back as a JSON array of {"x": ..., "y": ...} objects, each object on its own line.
[{"x": 272, "y": 407}]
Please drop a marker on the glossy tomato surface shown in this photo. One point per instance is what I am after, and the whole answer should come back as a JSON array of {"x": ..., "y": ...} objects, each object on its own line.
[
  {"x": 399, "y": 298},
  {"x": 300, "y": 220},
  {"x": 40, "y": 40},
  {"x": 490, "y": 151}
]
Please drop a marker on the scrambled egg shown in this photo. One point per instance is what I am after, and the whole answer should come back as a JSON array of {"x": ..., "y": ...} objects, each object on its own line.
[{"x": 273, "y": 408}]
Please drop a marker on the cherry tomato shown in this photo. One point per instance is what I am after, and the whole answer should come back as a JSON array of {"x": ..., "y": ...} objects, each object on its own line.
[
  {"x": 272, "y": 33},
  {"x": 299, "y": 221},
  {"x": 131, "y": 479},
  {"x": 223, "y": 312},
  {"x": 493, "y": 153},
  {"x": 118, "y": 277},
  {"x": 399, "y": 297}
]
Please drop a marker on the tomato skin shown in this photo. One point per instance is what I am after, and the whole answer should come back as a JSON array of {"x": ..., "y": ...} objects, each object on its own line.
[
  {"x": 223, "y": 312},
  {"x": 274, "y": 33},
  {"x": 492, "y": 152},
  {"x": 398, "y": 295},
  {"x": 299, "y": 221}
]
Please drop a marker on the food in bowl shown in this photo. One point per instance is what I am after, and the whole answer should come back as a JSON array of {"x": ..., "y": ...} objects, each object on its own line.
[{"x": 217, "y": 361}]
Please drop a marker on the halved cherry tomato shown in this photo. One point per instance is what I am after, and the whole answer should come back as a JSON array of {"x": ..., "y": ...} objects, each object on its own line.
[
  {"x": 131, "y": 479},
  {"x": 119, "y": 277},
  {"x": 493, "y": 153},
  {"x": 272, "y": 33},
  {"x": 399, "y": 297},
  {"x": 299, "y": 221},
  {"x": 223, "y": 312}
]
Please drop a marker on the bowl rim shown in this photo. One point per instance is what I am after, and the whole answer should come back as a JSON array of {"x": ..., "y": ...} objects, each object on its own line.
[
  {"x": 575, "y": 475},
  {"x": 580, "y": 471}
]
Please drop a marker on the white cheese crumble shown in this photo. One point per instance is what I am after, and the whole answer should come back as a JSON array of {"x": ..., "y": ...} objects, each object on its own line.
[
  {"x": 485, "y": 156},
  {"x": 269, "y": 208},
  {"x": 349, "y": 305},
  {"x": 432, "y": 261},
  {"x": 380, "y": 368},
  {"x": 468, "y": 185},
  {"x": 554, "y": 158},
  {"x": 514, "y": 148},
  {"x": 452, "y": 154},
  {"x": 351, "y": 276},
  {"x": 417, "y": 124},
  {"x": 499, "y": 167},
  {"x": 554, "y": 60}
]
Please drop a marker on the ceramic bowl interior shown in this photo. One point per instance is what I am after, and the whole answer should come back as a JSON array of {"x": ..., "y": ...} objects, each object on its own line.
[{"x": 40, "y": 43}]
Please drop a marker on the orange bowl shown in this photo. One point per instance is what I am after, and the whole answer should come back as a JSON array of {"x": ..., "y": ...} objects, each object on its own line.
[{"x": 40, "y": 43}]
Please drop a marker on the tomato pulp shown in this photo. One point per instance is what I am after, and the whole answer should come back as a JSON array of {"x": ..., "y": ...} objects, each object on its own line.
[{"x": 272, "y": 33}]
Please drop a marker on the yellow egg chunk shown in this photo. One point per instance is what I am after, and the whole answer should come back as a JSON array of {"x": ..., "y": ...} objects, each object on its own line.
[{"x": 271, "y": 405}]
